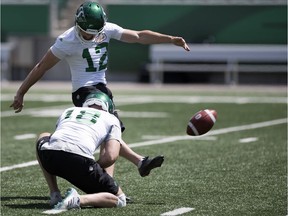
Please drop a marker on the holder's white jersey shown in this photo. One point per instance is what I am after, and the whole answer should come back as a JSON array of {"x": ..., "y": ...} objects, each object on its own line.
[
  {"x": 87, "y": 61},
  {"x": 81, "y": 130}
]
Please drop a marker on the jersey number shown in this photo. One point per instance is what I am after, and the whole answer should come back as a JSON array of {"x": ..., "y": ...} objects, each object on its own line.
[
  {"x": 86, "y": 55},
  {"x": 83, "y": 116}
]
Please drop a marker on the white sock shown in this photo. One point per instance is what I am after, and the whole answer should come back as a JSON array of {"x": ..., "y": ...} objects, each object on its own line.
[
  {"x": 140, "y": 163},
  {"x": 121, "y": 200}
]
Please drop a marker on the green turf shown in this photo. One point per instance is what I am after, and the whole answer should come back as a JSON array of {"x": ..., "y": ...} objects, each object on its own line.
[{"x": 217, "y": 176}]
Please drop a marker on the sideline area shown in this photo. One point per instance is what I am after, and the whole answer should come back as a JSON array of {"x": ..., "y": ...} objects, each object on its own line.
[{"x": 56, "y": 86}]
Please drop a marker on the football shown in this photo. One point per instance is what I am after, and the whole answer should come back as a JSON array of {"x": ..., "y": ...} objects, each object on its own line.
[{"x": 201, "y": 122}]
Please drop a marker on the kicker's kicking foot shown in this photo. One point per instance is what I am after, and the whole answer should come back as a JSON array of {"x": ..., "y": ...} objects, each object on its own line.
[{"x": 148, "y": 164}]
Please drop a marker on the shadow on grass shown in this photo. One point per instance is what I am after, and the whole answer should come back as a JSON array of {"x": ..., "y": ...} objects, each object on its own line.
[
  {"x": 43, "y": 202},
  {"x": 6, "y": 201}
]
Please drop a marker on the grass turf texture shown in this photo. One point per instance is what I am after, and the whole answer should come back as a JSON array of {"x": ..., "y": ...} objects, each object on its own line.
[{"x": 216, "y": 177}]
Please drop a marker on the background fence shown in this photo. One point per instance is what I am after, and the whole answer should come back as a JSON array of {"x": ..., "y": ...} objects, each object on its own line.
[{"x": 32, "y": 26}]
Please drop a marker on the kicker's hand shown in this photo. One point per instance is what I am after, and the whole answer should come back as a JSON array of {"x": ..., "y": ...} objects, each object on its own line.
[
  {"x": 179, "y": 41},
  {"x": 17, "y": 104}
]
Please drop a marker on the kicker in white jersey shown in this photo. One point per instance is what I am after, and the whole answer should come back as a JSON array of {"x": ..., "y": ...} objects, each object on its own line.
[{"x": 87, "y": 61}]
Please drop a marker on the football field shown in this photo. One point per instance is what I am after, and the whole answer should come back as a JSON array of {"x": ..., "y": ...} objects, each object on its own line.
[{"x": 238, "y": 168}]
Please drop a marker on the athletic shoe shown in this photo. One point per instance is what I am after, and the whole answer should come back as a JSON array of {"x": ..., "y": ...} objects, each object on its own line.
[
  {"x": 148, "y": 164},
  {"x": 128, "y": 200},
  {"x": 55, "y": 197},
  {"x": 71, "y": 201}
]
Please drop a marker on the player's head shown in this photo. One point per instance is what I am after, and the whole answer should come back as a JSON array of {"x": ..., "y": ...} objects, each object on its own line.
[
  {"x": 90, "y": 19},
  {"x": 101, "y": 100}
]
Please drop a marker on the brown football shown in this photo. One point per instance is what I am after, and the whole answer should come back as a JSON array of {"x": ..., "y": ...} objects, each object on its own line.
[{"x": 201, "y": 122}]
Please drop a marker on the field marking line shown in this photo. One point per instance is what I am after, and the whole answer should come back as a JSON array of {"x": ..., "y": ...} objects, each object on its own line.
[
  {"x": 25, "y": 136},
  {"x": 211, "y": 133},
  {"x": 22, "y": 165},
  {"x": 178, "y": 211},
  {"x": 54, "y": 211},
  {"x": 248, "y": 140},
  {"x": 127, "y": 100},
  {"x": 152, "y": 137},
  {"x": 11, "y": 113},
  {"x": 178, "y": 138},
  {"x": 55, "y": 111}
]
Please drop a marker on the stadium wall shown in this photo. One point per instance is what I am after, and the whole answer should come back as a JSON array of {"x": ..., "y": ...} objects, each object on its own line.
[
  {"x": 24, "y": 20},
  {"x": 197, "y": 24},
  {"x": 257, "y": 24}
]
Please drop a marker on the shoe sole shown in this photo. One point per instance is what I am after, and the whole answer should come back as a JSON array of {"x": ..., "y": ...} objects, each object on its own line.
[{"x": 155, "y": 162}]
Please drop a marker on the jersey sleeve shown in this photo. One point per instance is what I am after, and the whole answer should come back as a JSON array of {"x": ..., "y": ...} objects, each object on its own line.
[
  {"x": 115, "y": 131},
  {"x": 114, "y": 31},
  {"x": 59, "y": 49},
  {"x": 64, "y": 44}
]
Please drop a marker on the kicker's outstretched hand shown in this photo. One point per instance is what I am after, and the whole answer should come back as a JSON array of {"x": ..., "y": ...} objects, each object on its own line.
[
  {"x": 179, "y": 41},
  {"x": 17, "y": 103}
]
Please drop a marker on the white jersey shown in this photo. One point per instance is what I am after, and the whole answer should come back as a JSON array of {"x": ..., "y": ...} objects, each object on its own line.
[
  {"x": 87, "y": 61},
  {"x": 81, "y": 130}
]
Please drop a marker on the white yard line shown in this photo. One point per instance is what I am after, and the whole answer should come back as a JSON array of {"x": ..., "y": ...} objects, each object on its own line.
[
  {"x": 178, "y": 138},
  {"x": 248, "y": 140},
  {"x": 54, "y": 211},
  {"x": 25, "y": 136},
  {"x": 132, "y": 99},
  {"x": 31, "y": 111},
  {"x": 127, "y": 100},
  {"x": 178, "y": 211},
  {"x": 22, "y": 165}
]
